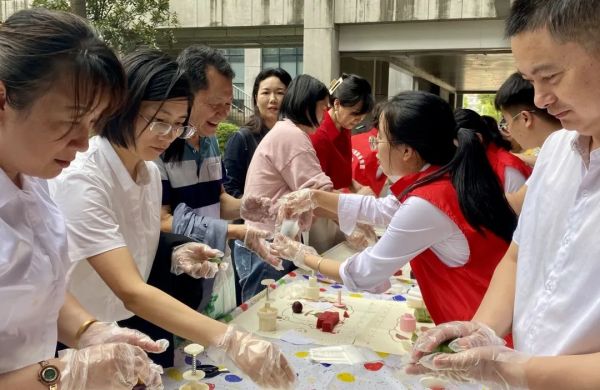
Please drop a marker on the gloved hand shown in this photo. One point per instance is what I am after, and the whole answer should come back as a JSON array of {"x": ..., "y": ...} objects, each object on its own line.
[
  {"x": 261, "y": 360},
  {"x": 293, "y": 250},
  {"x": 255, "y": 240},
  {"x": 116, "y": 366},
  {"x": 297, "y": 205},
  {"x": 193, "y": 258},
  {"x": 467, "y": 334},
  {"x": 362, "y": 237},
  {"x": 258, "y": 209},
  {"x": 110, "y": 332},
  {"x": 495, "y": 366}
]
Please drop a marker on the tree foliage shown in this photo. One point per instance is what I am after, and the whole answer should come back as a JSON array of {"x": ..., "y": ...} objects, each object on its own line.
[
  {"x": 124, "y": 24},
  {"x": 482, "y": 103}
]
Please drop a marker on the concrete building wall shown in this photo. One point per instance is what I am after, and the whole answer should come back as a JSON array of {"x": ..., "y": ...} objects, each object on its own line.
[{"x": 240, "y": 13}]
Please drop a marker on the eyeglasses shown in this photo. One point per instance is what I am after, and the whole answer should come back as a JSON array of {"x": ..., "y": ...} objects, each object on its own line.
[
  {"x": 163, "y": 129},
  {"x": 374, "y": 142},
  {"x": 503, "y": 124}
]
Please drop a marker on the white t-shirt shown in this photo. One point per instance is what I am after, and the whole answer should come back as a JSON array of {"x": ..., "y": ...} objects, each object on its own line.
[
  {"x": 105, "y": 210},
  {"x": 33, "y": 268},
  {"x": 557, "y": 299},
  {"x": 412, "y": 227}
]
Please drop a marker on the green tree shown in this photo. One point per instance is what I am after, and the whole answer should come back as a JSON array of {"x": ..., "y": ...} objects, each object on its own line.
[
  {"x": 482, "y": 103},
  {"x": 124, "y": 24}
]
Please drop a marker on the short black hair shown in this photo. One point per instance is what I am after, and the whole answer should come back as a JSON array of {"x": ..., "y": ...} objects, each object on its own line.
[
  {"x": 39, "y": 46},
  {"x": 196, "y": 59},
  {"x": 517, "y": 94},
  {"x": 300, "y": 102},
  {"x": 566, "y": 20},
  {"x": 151, "y": 75},
  {"x": 469, "y": 119},
  {"x": 352, "y": 90}
]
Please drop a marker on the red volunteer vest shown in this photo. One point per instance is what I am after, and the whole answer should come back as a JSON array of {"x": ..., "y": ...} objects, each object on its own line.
[
  {"x": 500, "y": 159},
  {"x": 334, "y": 150},
  {"x": 365, "y": 166},
  {"x": 452, "y": 293}
]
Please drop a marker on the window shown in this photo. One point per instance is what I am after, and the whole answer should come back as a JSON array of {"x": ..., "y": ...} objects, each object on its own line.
[{"x": 289, "y": 59}]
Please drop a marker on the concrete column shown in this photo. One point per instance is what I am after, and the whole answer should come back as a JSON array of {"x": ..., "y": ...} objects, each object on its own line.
[
  {"x": 252, "y": 66},
  {"x": 321, "y": 40},
  {"x": 399, "y": 80}
]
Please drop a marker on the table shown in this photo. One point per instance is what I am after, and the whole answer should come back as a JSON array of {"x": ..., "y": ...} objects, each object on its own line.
[{"x": 384, "y": 372}]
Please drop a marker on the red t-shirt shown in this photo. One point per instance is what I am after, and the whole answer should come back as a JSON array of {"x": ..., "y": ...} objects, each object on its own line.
[
  {"x": 334, "y": 151},
  {"x": 365, "y": 165}
]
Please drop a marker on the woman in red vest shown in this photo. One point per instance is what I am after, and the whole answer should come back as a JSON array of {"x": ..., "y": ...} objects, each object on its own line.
[
  {"x": 448, "y": 215},
  {"x": 510, "y": 169},
  {"x": 351, "y": 99}
]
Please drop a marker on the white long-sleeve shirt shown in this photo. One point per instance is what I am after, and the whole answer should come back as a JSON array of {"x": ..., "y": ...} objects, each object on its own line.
[
  {"x": 557, "y": 295},
  {"x": 33, "y": 267},
  {"x": 412, "y": 227}
]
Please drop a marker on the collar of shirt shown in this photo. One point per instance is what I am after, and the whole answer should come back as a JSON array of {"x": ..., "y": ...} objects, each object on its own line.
[
  {"x": 581, "y": 145},
  {"x": 115, "y": 163},
  {"x": 330, "y": 130},
  {"x": 9, "y": 189}
]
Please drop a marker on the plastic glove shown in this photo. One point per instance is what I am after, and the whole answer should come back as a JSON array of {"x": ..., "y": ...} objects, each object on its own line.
[
  {"x": 362, "y": 237},
  {"x": 293, "y": 250},
  {"x": 255, "y": 240},
  {"x": 193, "y": 259},
  {"x": 467, "y": 334},
  {"x": 110, "y": 332},
  {"x": 108, "y": 366},
  {"x": 258, "y": 209},
  {"x": 297, "y": 205},
  {"x": 495, "y": 366},
  {"x": 261, "y": 360}
]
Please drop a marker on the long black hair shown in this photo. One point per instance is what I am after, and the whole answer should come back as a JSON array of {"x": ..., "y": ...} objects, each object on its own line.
[
  {"x": 425, "y": 122},
  {"x": 255, "y": 123},
  {"x": 151, "y": 75},
  {"x": 469, "y": 119}
]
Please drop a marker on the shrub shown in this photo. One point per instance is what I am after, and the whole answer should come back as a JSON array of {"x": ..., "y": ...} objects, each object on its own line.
[{"x": 224, "y": 131}]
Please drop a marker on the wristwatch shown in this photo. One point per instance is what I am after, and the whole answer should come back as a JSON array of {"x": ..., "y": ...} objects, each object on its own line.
[{"x": 49, "y": 375}]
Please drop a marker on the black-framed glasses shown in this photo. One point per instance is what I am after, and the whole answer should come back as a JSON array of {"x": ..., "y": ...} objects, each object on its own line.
[
  {"x": 374, "y": 142},
  {"x": 163, "y": 129},
  {"x": 503, "y": 124}
]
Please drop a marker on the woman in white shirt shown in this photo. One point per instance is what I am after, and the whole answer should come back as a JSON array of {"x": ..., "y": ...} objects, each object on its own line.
[
  {"x": 448, "y": 215},
  {"x": 57, "y": 79},
  {"x": 111, "y": 198}
]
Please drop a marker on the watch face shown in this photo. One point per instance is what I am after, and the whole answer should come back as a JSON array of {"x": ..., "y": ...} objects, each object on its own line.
[{"x": 49, "y": 374}]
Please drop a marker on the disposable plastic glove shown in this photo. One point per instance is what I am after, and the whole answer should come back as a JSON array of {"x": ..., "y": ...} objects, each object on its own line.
[
  {"x": 362, "y": 237},
  {"x": 495, "y": 366},
  {"x": 466, "y": 335},
  {"x": 193, "y": 258},
  {"x": 256, "y": 241},
  {"x": 297, "y": 205},
  {"x": 293, "y": 250},
  {"x": 116, "y": 366},
  {"x": 110, "y": 332},
  {"x": 258, "y": 209},
  {"x": 260, "y": 360}
]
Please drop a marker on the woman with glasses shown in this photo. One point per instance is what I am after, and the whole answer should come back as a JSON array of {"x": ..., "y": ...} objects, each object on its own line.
[
  {"x": 447, "y": 215},
  {"x": 111, "y": 197},
  {"x": 511, "y": 170}
]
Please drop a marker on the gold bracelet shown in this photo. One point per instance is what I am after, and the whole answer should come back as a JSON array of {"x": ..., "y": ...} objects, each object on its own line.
[
  {"x": 83, "y": 328},
  {"x": 319, "y": 265}
]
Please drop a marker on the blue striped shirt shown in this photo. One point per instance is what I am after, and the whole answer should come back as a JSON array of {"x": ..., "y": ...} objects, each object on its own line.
[{"x": 196, "y": 180}]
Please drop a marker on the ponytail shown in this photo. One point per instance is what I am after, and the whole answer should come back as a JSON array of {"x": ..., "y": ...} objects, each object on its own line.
[{"x": 480, "y": 194}]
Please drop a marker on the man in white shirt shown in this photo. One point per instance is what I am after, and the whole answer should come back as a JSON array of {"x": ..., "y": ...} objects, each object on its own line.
[{"x": 545, "y": 289}]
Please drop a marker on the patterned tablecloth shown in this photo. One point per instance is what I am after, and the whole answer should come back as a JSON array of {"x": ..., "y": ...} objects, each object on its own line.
[{"x": 384, "y": 372}]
